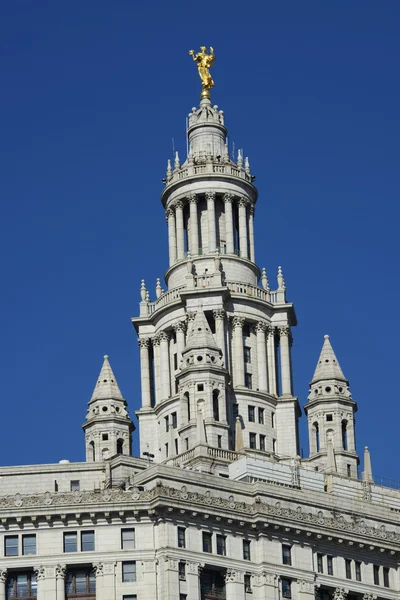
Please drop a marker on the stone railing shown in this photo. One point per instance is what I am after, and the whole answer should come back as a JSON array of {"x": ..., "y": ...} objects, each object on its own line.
[
  {"x": 202, "y": 450},
  {"x": 229, "y": 455},
  {"x": 166, "y": 298},
  {"x": 208, "y": 168}
]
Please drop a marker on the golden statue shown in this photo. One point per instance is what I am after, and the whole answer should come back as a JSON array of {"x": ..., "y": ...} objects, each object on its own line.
[{"x": 204, "y": 63}]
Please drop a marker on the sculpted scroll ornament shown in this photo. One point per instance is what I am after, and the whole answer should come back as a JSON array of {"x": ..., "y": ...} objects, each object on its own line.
[
  {"x": 237, "y": 322},
  {"x": 98, "y": 569},
  {"x": 3, "y": 575},
  {"x": 143, "y": 342},
  {"x": 61, "y": 571},
  {"x": 340, "y": 594},
  {"x": 40, "y": 572}
]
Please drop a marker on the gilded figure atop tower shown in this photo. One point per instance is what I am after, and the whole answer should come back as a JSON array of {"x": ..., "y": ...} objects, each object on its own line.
[{"x": 204, "y": 63}]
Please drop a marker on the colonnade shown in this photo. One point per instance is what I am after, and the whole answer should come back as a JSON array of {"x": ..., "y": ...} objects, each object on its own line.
[
  {"x": 244, "y": 226},
  {"x": 269, "y": 341}
]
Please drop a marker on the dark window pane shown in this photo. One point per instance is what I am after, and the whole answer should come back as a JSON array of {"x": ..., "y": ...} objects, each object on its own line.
[
  {"x": 207, "y": 542},
  {"x": 320, "y": 563},
  {"x": 246, "y": 550},
  {"x": 330, "y": 565},
  {"x": 75, "y": 486},
  {"x": 128, "y": 539},
  {"x": 70, "y": 542},
  {"x": 87, "y": 541},
  {"x": 181, "y": 537},
  {"x": 129, "y": 571},
  {"x": 286, "y": 554},
  {"x": 376, "y": 575},
  {"x": 28, "y": 544},
  {"x": 286, "y": 588},
  {"x": 221, "y": 545},
  {"x": 386, "y": 577},
  {"x": 251, "y": 413},
  {"x": 11, "y": 545}
]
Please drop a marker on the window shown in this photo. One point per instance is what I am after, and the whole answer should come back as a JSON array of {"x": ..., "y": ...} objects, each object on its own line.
[
  {"x": 286, "y": 554},
  {"x": 182, "y": 570},
  {"x": 28, "y": 544},
  {"x": 200, "y": 387},
  {"x": 329, "y": 417},
  {"x": 261, "y": 416},
  {"x": 21, "y": 585},
  {"x": 251, "y": 414},
  {"x": 127, "y": 539},
  {"x": 247, "y": 354},
  {"x": 221, "y": 545},
  {"x": 11, "y": 545},
  {"x": 87, "y": 541},
  {"x": 166, "y": 419},
  {"x": 348, "y": 568},
  {"x": 174, "y": 420},
  {"x": 215, "y": 405},
  {"x": 104, "y": 437},
  {"x": 207, "y": 541},
  {"x": 75, "y": 485},
  {"x": 348, "y": 470},
  {"x": 219, "y": 441},
  {"x": 129, "y": 571},
  {"x": 70, "y": 542},
  {"x": 273, "y": 420},
  {"x": 246, "y": 550},
  {"x": 358, "y": 570},
  {"x": 176, "y": 446},
  {"x": 317, "y": 440},
  {"x": 130, "y": 597},
  {"x": 248, "y": 380},
  {"x": 246, "y": 330},
  {"x": 344, "y": 435},
  {"x": 386, "y": 577},
  {"x": 247, "y": 583},
  {"x": 329, "y": 560},
  {"x": 252, "y": 440},
  {"x": 187, "y": 443},
  {"x": 274, "y": 446},
  {"x": 320, "y": 563},
  {"x": 182, "y": 597},
  {"x": 262, "y": 443},
  {"x": 286, "y": 588},
  {"x": 376, "y": 575},
  {"x": 81, "y": 581},
  {"x": 175, "y": 361},
  {"x": 235, "y": 411},
  {"x": 166, "y": 450},
  {"x": 181, "y": 537}
]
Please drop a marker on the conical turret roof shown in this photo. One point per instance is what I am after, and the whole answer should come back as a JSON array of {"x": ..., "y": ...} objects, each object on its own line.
[
  {"x": 328, "y": 366},
  {"x": 200, "y": 335},
  {"x": 106, "y": 386}
]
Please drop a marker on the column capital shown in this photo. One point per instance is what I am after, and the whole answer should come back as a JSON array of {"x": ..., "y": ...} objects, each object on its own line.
[
  {"x": 169, "y": 213},
  {"x": 164, "y": 336},
  {"x": 171, "y": 563},
  {"x": 195, "y": 568},
  {"x": 261, "y": 326},
  {"x": 193, "y": 199},
  {"x": 252, "y": 210},
  {"x": 180, "y": 326},
  {"x": 178, "y": 204},
  {"x": 234, "y": 575},
  {"x": 368, "y": 596},
  {"x": 219, "y": 314},
  {"x": 238, "y": 322},
  {"x": 3, "y": 575},
  {"x": 243, "y": 201},
  {"x": 270, "y": 578},
  {"x": 228, "y": 198},
  {"x": 143, "y": 343},
  {"x": 191, "y": 315},
  {"x": 306, "y": 586},
  {"x": 98, "y": 569},
  {"x": 340, "y": 594},
  {"x": 40, "y": 572},
  {"x": 61, "y": 571},
  {"x": 284, "y": 331},
  {"x": 155, "y": 340},
  {"x": 271, "y": 331},
  {"x": 210, "y": 195}
]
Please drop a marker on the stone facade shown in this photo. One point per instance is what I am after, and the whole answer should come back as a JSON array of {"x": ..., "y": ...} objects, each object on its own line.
[{"x": 219, "y": 504}]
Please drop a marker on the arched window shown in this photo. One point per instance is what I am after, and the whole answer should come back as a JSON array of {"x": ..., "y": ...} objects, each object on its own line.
[
  {"x": 187, "y": 398},
  {"x": 344, "y": 435},
  {"x": 120, "y": 446},
  {"x": 92, "y": 452},
  {"x": 216, "y": 405},
  {"x": 105, "y": 453},
  {"x": 317, "y": 440}
]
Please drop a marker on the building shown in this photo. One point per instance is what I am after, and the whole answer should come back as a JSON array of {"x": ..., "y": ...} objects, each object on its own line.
[{"x": 219, "y": 504}]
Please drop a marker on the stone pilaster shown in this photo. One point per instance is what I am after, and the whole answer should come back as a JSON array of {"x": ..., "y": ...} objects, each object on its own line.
[
  {"x": 286, "y": 376},
  {"x": 238, "y": 370},
  {"x": 157, "y": 367},
  {"x": 105, "y": 580},
  {"x": 212, "y": 234},
  {"x": 230, "y": 240},
  {"x": 164, "y": 365},
  {"x": 180, "y": 329},
  {"x": 194, "y": 225},
  {"x": 243, "y": 228},
  {"x": 271, "y": 361},
  {"x": 61, "y": 573},
  {"x": 144, "y": 345},
  {"x": 234, "y": 584},
  {"x": 251, "y": 234},
  {"x": 193, "y": 572},
  {"x": 180, "y": 231},
  {"x": 219, "y": 319},
  {"x": 261, "y": 329},
  {"x": 3, "y": 581},
  {"x": 170, "y": 216}
]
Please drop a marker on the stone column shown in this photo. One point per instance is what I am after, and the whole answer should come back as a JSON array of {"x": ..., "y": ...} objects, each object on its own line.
[
  {"x": 234, "y": 585},
  {"x": 157, "y": 374},
  {"x": 251, "y": 234},
  {"x": 61, "y": 573},
  {"x": 271, "y": 361},
  {"x": 105, "y": 580},
  {"x": 261, "y": 328},
  {"x": 212, "y": 235},
  {"x": 164, "y": 365},
  {"x": 193, "y": 572},
  {"x": 3, "y": 581},
  {"x": 180, "y": 230},
  {"x": 284, "y": 334},
  {"x": 243, "y": 228},
  {"x": 144, "y": 345},
  {"x": 219, "y": 319},
  {"x": 171, "y": 236},
  {"x": 230, "y": 240},
  {"x": 194, "y": 225},
  {"x": 180, "y": 329},
  {"x": 265, "y": 586},
  {"x": 40, "y": 574},
  {"x": 150, "y": 579},
  {"x": 171, "y": 578},
  {"x": 238, "y": 366},
  {"x": 305, "y": 589}
]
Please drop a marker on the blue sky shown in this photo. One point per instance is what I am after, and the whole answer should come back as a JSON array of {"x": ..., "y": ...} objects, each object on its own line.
[{"x": 92, "y": 95}]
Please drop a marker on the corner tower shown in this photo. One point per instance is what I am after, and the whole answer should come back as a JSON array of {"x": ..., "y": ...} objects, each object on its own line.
[{"x": 209, "y": 201}]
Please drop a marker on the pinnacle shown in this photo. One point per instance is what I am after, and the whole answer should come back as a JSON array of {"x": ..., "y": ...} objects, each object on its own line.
[
  {"x": 106, "y": 386},
  {"x": 200, "y": 335},
  {"x": 328, "y": 365}
]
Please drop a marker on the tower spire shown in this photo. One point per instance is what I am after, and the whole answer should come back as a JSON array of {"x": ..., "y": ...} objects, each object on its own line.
[
  {"x": 106, "y": 386},
  {"x": 328, "y": 365}
]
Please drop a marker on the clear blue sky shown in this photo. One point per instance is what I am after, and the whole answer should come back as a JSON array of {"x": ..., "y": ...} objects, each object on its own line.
[{"x": 93, "y": 92}]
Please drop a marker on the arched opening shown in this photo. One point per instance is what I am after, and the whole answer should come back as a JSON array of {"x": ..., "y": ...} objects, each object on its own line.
[
  {"x": 120, "y": 446},
  {"x": 105, "y": 453},
  {"x": 216, "y": 405},
  {"x": 317, "y": 440},
  {"x": 344, "y": 435},
  {"x": 92, "y": 452}
]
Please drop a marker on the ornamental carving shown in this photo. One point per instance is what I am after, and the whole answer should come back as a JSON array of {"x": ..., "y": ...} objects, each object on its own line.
[
  {"x": 339, "y": 594},
  {"x": 3, "y": 575},
  {"x": 369, "y": 597},
  {"x": 180, "y": 326},
  {"x": 219, "y": 314},
  {"x": 195, "y": 568},
  {"x": 243, "y": 202},
  {"x": 284, "y": 330},
  {"x": 238, "y": 322},
  {"x": 40, "y": 572},
  {"x": 164, "y": 337},
  {"x": 251, "y": 210},
  {"x": 178, "y": 205},
  {"x": 171, "y": 563},
  {"x": 210, "y": 196},
  {"x": 271, "y": 331},
  {"x": 228, "y": 197},
  {"x": 306, "y": 586},
  {"x": 169, "y": 213},
  {"x": 230, "y": 575},
  {"x": 155, "y": 340},
  {"x": 143, "y": 343},
  {"x": 98, "y": 569},
  {"x": 261, "y": 326},
  {"x": 192, "y": 198},
  {"x": 61, "y": 571}
]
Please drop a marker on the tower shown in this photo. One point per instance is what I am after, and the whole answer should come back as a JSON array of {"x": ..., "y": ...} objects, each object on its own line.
[
  {"x": 108, "y": 426},
  {"x": 330, "y": 411},
  {"x": 213, "y": 278}
]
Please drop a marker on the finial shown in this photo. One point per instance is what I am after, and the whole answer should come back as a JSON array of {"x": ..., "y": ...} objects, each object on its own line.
[
  {"x": 158, "y": 288},
  {"x": 239, "y": 159},
  {"x": 226, "y": 153},
  {"x": 264, "y": 279},
  {"x": 143, "y": 290},
  {"x": 326, "y": 337},
  {"x": 177, "y": 163},
  {"x": 204, "y": 63},
  {"x": 169, "y": 170},
  {"x": 247, "y": 165},
  {"x": 281, "y": 280},
  {"x": 147, "y": 296},
  {"x": 105, "y": 357}
]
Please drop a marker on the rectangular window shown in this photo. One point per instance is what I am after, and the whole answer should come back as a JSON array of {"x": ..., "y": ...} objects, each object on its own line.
[
  {"x": 386, "y": 577},
  {"x": 329, "y": 417},
  {"x": 251, "y": 411},
  {"x": 187, "y": 443},
  {"x": 127, "y": 539},
  {"x": 262, "y": 443},
  {"x": 219, "y": 441},
  {"x": 221, "y": 545},
  {"x": 274, "y": 446},
  {"x": 181, "y": 537},
  {"x": 174, "y": 420},
  {"x": 358, "y": 570},
  {"x": 286, "y": 554},
  {"x": 247, "y": 583},
  {"x": 182, "y": 570},
  {"x": 246, "y": 330},
  {"x": 182, "y": 596},
  {"x": 129, "y": 571},
  {"x": 166, "y": 424},
  {"x": 28, "y": 544},
  {"x": 286, "y": 588},
  {"x": 246, "y": 550},
  {"x": 348, "y": 568},
  {"x": 252, "y": 440},
  {"x": 11, "y": 545},
  {"x": 248, "y": 380},
  {"x": 130, "y": 597},
  {"x": 104, "y": 437},
  {"x": 166, "y": 450},
  {"x": 320, "y": 563},
  {"x": 247, "y": 355},
  {"x": 207, "y": 541},
  {"x": 200, "y": 387},
  {"x": 87, "y": 541},
  {"x": 348, "y": 470},
  {"x": 80, "y": 582},
  {"x": 329, "y": 561},
  {"x": 235, "y": 411},
  {"x": 261, "y": 416},
  {"x": 175, "y": 361},
  {"x": 75, "y": 485},
  {"x": 21, "y": 585},
  {"x": 376, "y": 575},
  {"x": 272, "y": 420},
  {"x": 70, "y": 542}
]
